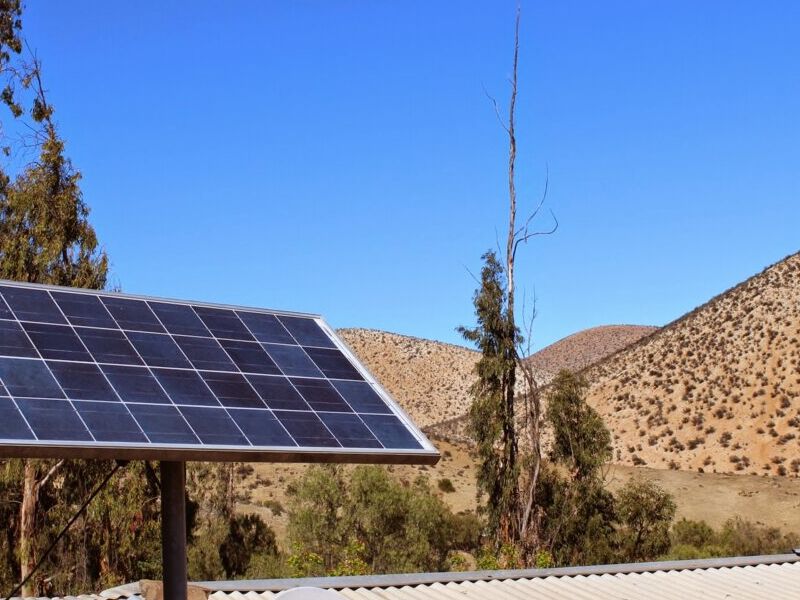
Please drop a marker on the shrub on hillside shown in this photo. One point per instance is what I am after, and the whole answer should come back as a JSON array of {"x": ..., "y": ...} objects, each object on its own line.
[{"x": 445, "y": 485}]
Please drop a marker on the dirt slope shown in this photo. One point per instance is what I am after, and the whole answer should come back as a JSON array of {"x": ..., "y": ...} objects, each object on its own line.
[
  {"x": 584, "y": 348},
  {"x": 715, "y": 390},
  {"x": 429, "y": 379}
]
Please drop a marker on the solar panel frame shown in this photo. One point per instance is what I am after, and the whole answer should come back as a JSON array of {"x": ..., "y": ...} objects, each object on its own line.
[{"x": 26, "y": 448}]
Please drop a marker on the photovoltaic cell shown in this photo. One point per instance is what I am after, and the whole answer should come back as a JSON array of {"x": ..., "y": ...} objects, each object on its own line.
[
  {"x": 250, "y": 357},
  {"x": 362, "y": 397},
  {"x": 32, "y": 305},
  {"x": 278, "y": 393},
  {"x": 292, "y": 360},
  {"x": 185, "y": 387},
  {"x": 27, "y": 378},
  {"x": 205, "y": 353},
  {"x": 158, "y": 350},
  {"x": 262, "y": 428},
  {"x": 307, "y": 429},
  {"x": 82, "y": 381},
  {"x": 109, "y": 346},
  {"x": 266, "y": 328},
  {"x": 14, "y": 341},
  {"x": 390, "y": 431},
  {"x": 135, "y": 384},
  {"x": 133, "y": 314},
  {"x": 321, "y": 395},
  {"x": 306, "y": 332},
  {"x": 163, "y": 424},
  {"x": 110, "y": 374},
  {"x": 82, "y": 309},
  {"x": 333, "y": 363},
  {"x": 57, "y": 342},
  {"x": 54, "y": 419},
  {"x": 350, "y": 430},
  {"x": 213, "y": 425},
  {"x": 179, "y": 319},
  {"x": 232, "y": 390},
  {"x": 5, "y": 312},
  {"x": 110, "y": 422},
  {"x": 12, "y": 425},
  {"x": 224, "y": 323}
]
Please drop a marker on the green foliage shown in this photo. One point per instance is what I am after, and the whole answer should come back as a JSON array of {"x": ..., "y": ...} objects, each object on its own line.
[
  {"x": 465, "y": 531},
  {"x": 117, "y": 539},
  {"x": 645, "y": 514},
  {"x": 305, "y": 563},
  {"x": 457, "y": 562},
  {"x": 219, "y": 531},
  {"x": 578, "y": 523},
  {"x": 353, "y": 561},
  {"x": 744, "y": 538},
  {"x": 364, "y": 521},
  {"x": 737, "y": 537},
  {"x": 692, "y": 533},
  {"x": 581, "y": 441},
  {"x": 491, "y": 416},
  {"x": 248, "y": 536}
]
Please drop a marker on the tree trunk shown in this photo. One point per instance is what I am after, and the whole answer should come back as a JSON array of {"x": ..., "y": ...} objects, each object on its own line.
[{"x": 30, "y": 497}]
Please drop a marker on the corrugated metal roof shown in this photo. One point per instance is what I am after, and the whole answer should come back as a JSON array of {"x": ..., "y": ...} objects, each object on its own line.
[{"x": 730, "y": 578}]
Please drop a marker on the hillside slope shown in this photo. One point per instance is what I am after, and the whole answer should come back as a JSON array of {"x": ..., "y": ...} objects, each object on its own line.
[
  {"x": 429, "y": 379},
  {"x": 715, "y": 390},
  {"x": 584, "y": 348}
]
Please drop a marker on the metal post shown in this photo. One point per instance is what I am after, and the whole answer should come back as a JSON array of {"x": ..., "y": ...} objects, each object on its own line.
[{"x": 173, "y": 530}]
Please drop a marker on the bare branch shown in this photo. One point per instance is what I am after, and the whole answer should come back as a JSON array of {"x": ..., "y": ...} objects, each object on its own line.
[
  {"x": 535, "y": 212},
  {"x": 493, "y": 100},
  {"x": 43, "y": 481},
  {"x": 471, "y": 274},
  {"x": 528, "y": 235}
]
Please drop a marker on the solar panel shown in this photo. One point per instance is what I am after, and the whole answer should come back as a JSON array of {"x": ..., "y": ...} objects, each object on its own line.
[{"x": 91, "y": 374}]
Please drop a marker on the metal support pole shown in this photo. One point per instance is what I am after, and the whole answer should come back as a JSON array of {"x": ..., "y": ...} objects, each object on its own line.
[{"x": 173, "y": 530}]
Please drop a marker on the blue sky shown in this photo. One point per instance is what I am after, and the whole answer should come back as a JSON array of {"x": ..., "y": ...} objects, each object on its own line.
[{"x": 342, "y": 158}]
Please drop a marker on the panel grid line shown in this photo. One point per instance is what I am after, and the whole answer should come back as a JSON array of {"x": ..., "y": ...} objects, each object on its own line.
[
  {"x": 336, "y": 390},
  {"x": 252, "y": 387},
  {"x": 44, "y": 362},
  {"x": 188, "y": 335},
  {"x": 21, "y": 414},
  {"x": 99, "y": 368},
  {"x": 224, "y": 408},
  {"x": 290, "y": 383},
  {"x": 144, "y": 362}
]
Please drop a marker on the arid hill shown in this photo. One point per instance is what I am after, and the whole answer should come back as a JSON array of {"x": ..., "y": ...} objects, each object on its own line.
[
  {"x": 429, "y": 379},
  {"x": 715, "y": 390},
  {"x": 579, "y": 350}
]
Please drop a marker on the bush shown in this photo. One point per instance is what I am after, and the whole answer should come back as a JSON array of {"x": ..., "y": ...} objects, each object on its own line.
[
  {"x": 247, "y": 536},
  {"x": 645, "y": 514},
  {"x": 696, "y": 539},
  {"x": 351, "y": 521},
  {"x": 692, "y": 533},
  {"x": 446, "y": 485},
  {"x": 274, "y": 506}
]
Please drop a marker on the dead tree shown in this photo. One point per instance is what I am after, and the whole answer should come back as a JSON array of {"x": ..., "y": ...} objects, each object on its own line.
[{"x": 531, "y": 419}]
